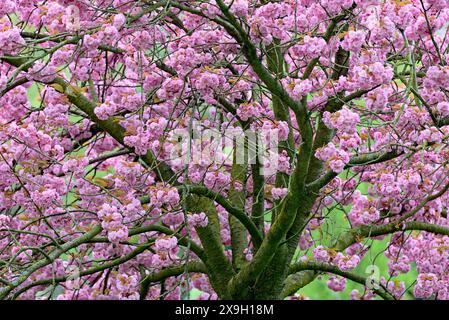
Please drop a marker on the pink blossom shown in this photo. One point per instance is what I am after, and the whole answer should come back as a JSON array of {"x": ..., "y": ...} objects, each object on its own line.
[
  {"x": 166, "y": 243},
  {"x": 198, "y": 220}
]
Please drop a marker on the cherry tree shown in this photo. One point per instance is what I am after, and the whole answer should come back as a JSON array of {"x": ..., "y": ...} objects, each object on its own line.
[{"x": 241, "y": 148}]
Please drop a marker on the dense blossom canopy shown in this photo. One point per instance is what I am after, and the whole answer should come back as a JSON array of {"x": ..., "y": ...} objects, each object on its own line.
[{"x": 106, "y": 191}]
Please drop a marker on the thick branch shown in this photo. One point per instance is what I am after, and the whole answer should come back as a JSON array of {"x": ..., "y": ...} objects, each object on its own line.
[
  {"x": 318, "y": 266},
  {"x": 194, "y": 266}
]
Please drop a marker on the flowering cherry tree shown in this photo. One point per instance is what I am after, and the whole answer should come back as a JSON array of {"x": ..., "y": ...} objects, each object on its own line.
[{"x": 110, "y": 188}]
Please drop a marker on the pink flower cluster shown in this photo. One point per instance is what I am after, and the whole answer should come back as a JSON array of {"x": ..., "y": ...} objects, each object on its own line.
[
  {"x": 112, "y": 222},
  {"x": 336, "y": 158},
  {"x": 343, "y": 120},
  {"x": 344, "y": 262},
  {"x": 11, "y": 40},
  {"x": 198, "y": 220}
]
